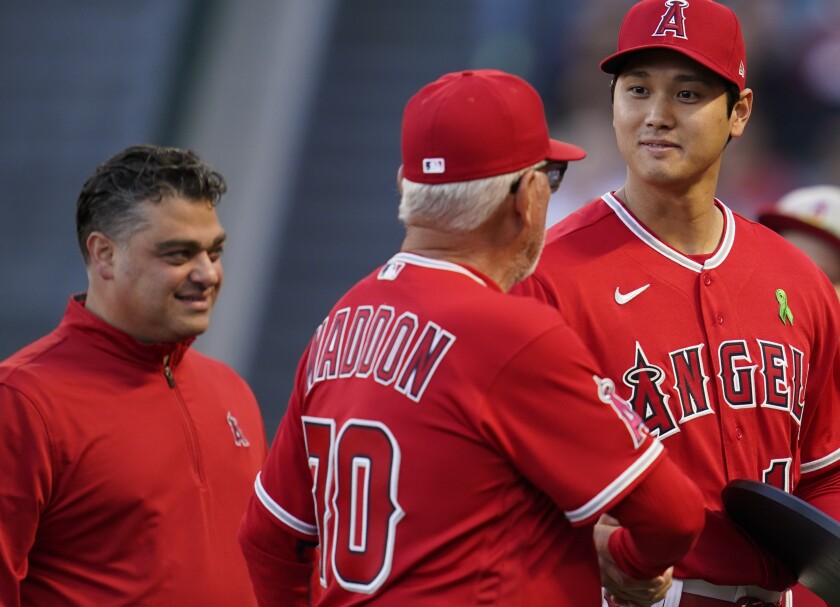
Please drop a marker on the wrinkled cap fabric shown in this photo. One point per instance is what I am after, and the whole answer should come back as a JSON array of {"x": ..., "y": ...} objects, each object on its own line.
[
  {"x": 476, "y": 124},
  {"x": 813, "y": 209},
  {"x": 706, "y": 31}
]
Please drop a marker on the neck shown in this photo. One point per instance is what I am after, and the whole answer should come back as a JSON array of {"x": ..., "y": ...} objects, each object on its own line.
[
  {"x": 688, "y": 221},
  {"x": 464, "y": 248},
  {"x": 96, "y": 302}
]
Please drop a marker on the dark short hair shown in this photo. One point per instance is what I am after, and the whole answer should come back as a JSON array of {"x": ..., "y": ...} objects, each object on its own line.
[{"x": 110, "y": 200}]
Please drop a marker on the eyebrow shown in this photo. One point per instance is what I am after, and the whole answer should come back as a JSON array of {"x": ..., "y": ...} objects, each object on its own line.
[
  {"x": 189, "y": 244},
  {"x": 686, "y": 77}
]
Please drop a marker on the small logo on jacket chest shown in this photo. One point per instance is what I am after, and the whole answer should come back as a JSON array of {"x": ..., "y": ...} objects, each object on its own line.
[{"x": 238, "y": 436}]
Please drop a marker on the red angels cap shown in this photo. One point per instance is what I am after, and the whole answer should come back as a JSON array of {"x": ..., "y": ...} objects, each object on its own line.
[
  {"x": 813, "y": 210},
  {"x": 476, "y": 124},
  {"x": 703, "y": 30}
]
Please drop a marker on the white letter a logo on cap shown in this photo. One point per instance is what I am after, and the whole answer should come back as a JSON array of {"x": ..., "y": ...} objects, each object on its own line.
[{"x": 673, "y": 20}]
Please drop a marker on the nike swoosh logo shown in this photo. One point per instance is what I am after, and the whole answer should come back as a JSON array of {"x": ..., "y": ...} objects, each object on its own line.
[{"x": 622, "y": 298}]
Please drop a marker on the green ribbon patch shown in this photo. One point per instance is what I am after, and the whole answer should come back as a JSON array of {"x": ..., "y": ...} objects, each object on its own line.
[{"x": 784, "y": 310}]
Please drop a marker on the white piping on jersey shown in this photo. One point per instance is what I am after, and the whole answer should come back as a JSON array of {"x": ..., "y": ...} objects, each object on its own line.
[
  {"x": 435, "y": 264},
  {"x": 597, "y": 503},
  {"x": 286, "y": 518},
  {"x": 660, "y": 247},
  {"x": 821, "y": 463}
]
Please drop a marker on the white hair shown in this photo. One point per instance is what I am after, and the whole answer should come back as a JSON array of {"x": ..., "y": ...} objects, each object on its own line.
[{"x": 461, "y": 205}]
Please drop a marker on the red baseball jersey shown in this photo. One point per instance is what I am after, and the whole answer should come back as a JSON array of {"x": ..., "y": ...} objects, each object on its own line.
[
  {"x": 445, "y": 451},
  {"x": 731, "y": 360}
]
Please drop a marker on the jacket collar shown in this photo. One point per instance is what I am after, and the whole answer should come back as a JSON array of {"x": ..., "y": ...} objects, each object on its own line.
[{"x": 101, "y": 335}]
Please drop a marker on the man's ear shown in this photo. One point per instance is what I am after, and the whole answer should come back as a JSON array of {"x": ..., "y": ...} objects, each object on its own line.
[
  {"x": 523, "y": 199},
  {"x": 101, "y": 250},
  {"x": 741, "y": 113},
  {"x": 399, "y": 179}
]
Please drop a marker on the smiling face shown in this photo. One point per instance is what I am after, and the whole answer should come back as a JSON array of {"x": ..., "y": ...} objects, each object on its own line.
[
  {"x": 670, "y": 119},
  {"x": 160, "y": 283}
]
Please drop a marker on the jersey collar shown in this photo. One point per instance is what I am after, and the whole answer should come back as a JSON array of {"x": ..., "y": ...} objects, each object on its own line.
[
  {"x": 647, "y": 237},
  {"x": 447, "y": 266}
]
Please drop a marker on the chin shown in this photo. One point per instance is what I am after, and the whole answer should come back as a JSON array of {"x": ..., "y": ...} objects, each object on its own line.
[
  {"x": 196, "y": 331},
  {"x": 191, "y": 329}
]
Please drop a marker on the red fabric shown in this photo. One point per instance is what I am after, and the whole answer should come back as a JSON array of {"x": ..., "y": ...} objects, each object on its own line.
[
  {"x": 475, "y": 124},
  {"x": 802, "y": 597},
  {"x": 655, "y": 533},
  {"x": 708, "y": 32},
  {"x": 470, "y": 439},
  {"x": 695, "y": 600},
  {"x": 124, "y": 490},
  {"x": 733, "y": 556},
  {"x": 280, "y": 563},
  {"x": 821, "y": 489},
  {"x": 730, "y": 386},
  {"x": 690, "y": 600}
]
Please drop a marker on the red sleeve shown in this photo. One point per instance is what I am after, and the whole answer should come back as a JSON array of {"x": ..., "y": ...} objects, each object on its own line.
[
  {"x": 280, "y": 564},
  {"x": 278, "y": 534},
  {"x": 25, "y": 487},
  {"x": 735, "y": 558},
  {"x": 660, "y": 521},
  {"x": 535, "y": 286},
  {"x": 546, "y": 415},
  {"x": 819, "y": 483},
  {"x": 821, "y": 489}
]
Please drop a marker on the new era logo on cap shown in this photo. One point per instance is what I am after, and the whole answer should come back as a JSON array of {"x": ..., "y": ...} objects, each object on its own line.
[{"x": 434, "y": 165}]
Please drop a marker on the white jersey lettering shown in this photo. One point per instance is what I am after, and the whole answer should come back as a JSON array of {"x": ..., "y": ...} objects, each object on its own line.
[{"x": 374, "y": 344}]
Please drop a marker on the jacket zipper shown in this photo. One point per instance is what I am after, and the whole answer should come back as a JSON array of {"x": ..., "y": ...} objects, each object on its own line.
[
  {"x": 189, "y": 424},
  {"x": 167, "y": 372}
]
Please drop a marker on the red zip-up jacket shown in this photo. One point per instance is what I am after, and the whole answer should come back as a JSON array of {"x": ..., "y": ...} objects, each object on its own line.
[{"x": 124, "y": 471}]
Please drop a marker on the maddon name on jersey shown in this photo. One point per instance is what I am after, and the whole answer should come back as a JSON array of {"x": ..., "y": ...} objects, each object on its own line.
[{"x": 378, "y": 344}]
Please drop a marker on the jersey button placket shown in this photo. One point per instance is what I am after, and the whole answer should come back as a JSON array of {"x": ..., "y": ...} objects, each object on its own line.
[
  {"x": 714, "y": 304},
  {"x": 707, "y": 280}
]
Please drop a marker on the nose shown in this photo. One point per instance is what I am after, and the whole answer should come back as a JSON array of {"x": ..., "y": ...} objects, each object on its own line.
[
  {"x": 659, "y": 114},
  {"x": 206, "y": 271}
]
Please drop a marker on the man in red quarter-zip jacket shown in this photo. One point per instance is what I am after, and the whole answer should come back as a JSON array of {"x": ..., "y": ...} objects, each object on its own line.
[{"x": 128, "y": 457}]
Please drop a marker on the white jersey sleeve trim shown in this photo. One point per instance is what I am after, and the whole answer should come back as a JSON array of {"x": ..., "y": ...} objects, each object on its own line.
[
  {"x": 597, "y": 503},
  {"x": 284, "y": 517},
  {"x": 821, "y": 463}
]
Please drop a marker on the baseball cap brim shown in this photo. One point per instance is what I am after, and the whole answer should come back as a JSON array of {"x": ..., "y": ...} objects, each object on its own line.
[
  {"x": 561, "y": 151},
  {"x": 779, "y": 222},
  {"x": 614, "y": 63}
]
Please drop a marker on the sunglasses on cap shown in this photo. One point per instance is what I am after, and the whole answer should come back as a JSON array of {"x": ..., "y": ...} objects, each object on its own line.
[{"x": 553, "y": 170}]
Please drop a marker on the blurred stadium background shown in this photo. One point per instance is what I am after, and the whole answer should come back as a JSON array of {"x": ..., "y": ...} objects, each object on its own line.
[{"x": 298, "y": 103}]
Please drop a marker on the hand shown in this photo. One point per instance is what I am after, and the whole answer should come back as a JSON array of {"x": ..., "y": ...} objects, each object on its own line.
[{"x": 621, "y": 588}]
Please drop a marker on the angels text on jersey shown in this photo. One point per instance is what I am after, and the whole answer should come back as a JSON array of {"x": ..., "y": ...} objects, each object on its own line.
[{"x": 753, "y": 373}]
